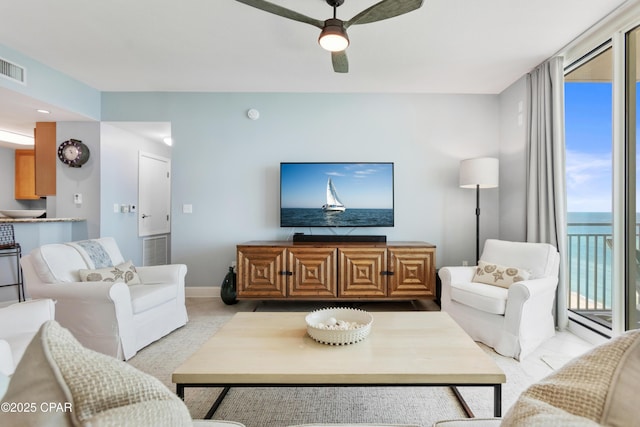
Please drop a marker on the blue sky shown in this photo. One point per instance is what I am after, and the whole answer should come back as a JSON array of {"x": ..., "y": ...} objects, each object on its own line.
[
  {"x": 588, "y": 141},
  {"x": 359, "y": 185}
]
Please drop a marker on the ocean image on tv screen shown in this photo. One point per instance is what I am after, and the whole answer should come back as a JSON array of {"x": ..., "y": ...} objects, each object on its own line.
[{"x": 336, "y": 195}]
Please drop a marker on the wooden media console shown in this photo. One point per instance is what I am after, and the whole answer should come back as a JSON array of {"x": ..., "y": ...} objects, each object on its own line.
[{"x": 336, "y": 270}]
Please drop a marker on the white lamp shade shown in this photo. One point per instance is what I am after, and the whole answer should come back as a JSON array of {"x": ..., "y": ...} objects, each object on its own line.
[{"x": 482, "y": 171}]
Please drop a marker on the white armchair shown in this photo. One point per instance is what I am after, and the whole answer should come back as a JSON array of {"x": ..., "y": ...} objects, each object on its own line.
[
  {"x": 111, "y": 317},
  {"x": 514, "y": 320},
  {"x": 18, "y": 325}
]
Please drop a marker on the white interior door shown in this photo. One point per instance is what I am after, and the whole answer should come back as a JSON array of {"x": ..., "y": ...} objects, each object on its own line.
[{"x": 154, "y": 195}]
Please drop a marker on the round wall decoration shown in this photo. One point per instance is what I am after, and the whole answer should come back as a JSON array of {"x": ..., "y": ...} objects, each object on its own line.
[{"x": 73, "y": 153}]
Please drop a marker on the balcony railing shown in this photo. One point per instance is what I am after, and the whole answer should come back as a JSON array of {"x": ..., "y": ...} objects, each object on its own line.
[
  {"x": 590, "y": 271},
  {"x": 589, "y": 263}
]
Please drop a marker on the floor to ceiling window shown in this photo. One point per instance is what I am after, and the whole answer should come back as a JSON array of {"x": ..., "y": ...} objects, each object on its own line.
[
  {"x": 632, "y": 285},
  {"x": 602, "y": 110},
  {"x": 588, "y": 125}
]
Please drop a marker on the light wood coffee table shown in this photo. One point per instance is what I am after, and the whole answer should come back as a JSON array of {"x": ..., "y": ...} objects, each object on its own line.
[{"x": 404, "y": 349}]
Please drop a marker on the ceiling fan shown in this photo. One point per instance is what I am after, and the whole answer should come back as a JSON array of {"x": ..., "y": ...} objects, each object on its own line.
[{"x": 333, "y": 36}]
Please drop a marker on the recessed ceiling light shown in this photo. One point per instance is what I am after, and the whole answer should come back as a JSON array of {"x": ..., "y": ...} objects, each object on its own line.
[
  {"x": 43, "y": 111},
  {"x": 15, "y": 138}
]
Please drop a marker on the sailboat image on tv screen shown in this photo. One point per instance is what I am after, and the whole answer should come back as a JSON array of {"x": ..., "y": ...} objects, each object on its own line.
[{"x": 333, "y": 202}]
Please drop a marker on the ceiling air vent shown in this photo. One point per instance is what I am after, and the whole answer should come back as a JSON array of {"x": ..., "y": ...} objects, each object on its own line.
[{"x": 12, "y": 71}]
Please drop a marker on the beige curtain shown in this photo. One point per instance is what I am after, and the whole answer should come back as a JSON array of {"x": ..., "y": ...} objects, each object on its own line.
[{"x": 546, "y": 189}]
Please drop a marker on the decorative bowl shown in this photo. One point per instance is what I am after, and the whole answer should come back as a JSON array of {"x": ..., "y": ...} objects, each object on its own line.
[
  {"x": 25, "y": 213},
  {"x": 338, "y": 326}
]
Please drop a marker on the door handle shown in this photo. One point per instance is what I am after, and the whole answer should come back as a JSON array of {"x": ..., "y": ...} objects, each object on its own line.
[{"x": 145, "y": 216}]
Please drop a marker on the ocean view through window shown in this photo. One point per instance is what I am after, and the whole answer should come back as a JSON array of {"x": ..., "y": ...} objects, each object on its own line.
[
  {"x": 589, "y": 237},
  {"x": 588, "y": 135}
]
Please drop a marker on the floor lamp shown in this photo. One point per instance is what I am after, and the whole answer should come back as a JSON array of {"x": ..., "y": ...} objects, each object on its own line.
[{"x": 478, "y": 173}]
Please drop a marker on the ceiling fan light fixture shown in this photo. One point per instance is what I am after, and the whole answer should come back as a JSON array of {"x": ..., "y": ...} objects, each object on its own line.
[{"x": 333, "y": 36}]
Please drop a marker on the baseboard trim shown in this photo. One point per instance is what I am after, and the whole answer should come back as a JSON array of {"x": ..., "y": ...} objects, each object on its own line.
[{"x": 202, "y": 291}]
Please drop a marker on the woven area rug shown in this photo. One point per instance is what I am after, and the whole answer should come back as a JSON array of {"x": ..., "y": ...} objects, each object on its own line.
[{"x": 283, "y": 406}]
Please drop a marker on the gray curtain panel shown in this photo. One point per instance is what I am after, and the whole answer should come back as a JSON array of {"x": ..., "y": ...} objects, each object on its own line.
[{"x": 546, "y": 187}]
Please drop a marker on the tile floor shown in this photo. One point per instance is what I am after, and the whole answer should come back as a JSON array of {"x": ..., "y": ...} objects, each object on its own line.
[{"x": 554, "y": 353}]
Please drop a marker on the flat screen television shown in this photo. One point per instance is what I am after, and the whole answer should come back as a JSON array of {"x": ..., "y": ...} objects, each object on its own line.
[{"x": 336, "y": 195}]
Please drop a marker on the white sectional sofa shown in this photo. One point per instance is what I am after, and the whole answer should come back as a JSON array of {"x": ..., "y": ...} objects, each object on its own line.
[{"x": 18, "y": 324}]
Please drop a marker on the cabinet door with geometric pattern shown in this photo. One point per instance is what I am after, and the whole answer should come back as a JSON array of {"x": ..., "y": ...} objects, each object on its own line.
[
  {"x": 313, "y": 272},
  {"x": 362, "y": 272},
  {"x": 412, "y": 272},
  {"x": 261, "y": 272}
]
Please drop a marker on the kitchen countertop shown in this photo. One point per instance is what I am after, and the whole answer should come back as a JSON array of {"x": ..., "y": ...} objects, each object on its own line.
[{"x": 39, "y": 220}]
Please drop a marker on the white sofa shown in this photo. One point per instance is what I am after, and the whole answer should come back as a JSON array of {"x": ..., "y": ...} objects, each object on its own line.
[
  {"x": 18, "y": 324},
  {"x": 513, "y": 320},
  {"x": 114, "y": 318}
]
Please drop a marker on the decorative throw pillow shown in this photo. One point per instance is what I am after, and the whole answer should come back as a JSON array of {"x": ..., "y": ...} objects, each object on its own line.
[
  {"x": 498, "y": 275},
  {"x": 58, "y": 382},
  {"x": 599, "y": 388},
  {"x": 125, "y": 272}
]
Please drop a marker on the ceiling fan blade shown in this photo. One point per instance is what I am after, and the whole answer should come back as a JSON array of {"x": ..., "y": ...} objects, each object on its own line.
[
  {"x": 384, "y": 10},
  {"x": 340, "y": 62},
  {"x": 282, "y": 11}
]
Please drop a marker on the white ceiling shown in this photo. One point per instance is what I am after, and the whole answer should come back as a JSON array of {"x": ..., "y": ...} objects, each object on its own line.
[{"x": 447, "y": 46}]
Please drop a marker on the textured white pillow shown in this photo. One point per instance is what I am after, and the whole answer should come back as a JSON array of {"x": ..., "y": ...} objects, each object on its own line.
[
  {"x": 125, "y": 272},
  {"x": 599, "y": 388},
  {"x": 85, "y": 388},
  {"x": 498, "y": 275}
]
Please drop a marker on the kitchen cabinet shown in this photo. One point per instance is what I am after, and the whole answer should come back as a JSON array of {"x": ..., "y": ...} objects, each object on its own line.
[
  {"x": 45, "y": 158},
  {"x": 334, "y": 271},
  {"x": 25, "y": 176}
]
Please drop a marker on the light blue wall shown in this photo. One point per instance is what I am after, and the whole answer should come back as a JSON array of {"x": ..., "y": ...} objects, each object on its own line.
[
  {"x": 119, "y": 185},
  {"x": 51, "y": 86},
  {"x": 513, "y": 161},
  {"x": 227, "y": 166},
  {"x": 84, "y": 180}
]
